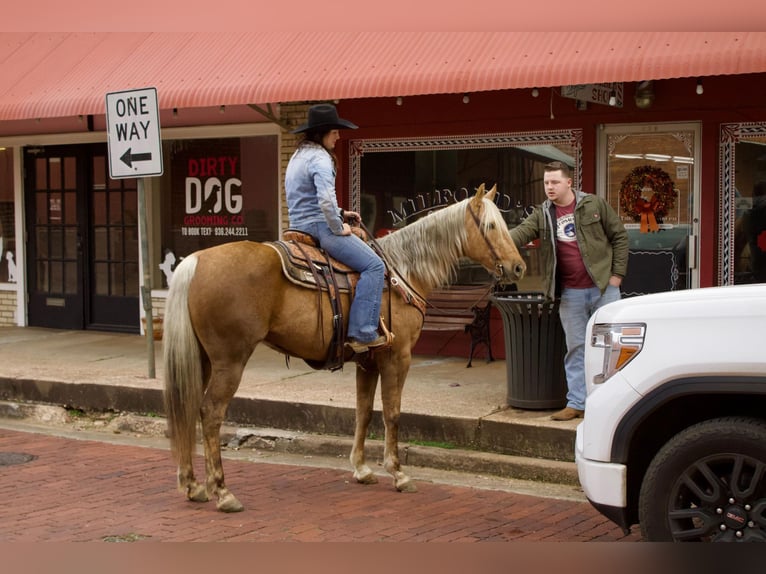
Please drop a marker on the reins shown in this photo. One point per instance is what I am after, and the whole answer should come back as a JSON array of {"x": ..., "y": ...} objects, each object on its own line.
[{"x": 394, "y": 276}]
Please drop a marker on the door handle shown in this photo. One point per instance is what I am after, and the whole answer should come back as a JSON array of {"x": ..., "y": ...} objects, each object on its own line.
[{"x": 691, "y": 251}]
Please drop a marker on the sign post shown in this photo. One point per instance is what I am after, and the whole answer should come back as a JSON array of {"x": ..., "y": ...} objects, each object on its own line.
[{"x": 135, "y": 150}]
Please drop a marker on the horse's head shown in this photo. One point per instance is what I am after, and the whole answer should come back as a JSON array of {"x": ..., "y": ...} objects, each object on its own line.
[{"x": 489, "y": 241}]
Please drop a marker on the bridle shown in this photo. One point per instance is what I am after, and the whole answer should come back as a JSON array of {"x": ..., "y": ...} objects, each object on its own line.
[{"x": 499, "y": 270}]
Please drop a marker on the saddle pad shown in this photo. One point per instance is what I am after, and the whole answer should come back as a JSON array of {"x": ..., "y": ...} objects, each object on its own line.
[{"x": 296, "y": 268}]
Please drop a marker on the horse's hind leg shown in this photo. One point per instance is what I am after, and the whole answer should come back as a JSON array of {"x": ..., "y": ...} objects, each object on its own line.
[
  {"x": 187, "y": 482},
  {"x": 366, "y": 383},
  {"x": 223, "y": 384}
]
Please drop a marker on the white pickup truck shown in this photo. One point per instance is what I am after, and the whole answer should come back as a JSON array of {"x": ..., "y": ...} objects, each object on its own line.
[{"x": 674, "y": 434}]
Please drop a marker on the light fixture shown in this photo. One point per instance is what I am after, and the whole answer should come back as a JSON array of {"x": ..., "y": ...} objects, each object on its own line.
[
  {"x": 222, "y": 109},
  {"x": 175, "y": 112},
  {"x": 535, "y": 92},
  {"x": 612, "y": 98},
  {"x": 657, "y": 156},
  {"x": 644, "y": 96},
  {"x": 399, "y": 101},
  {"x": 700, "y": 89},
  {"x": 466, "y": 99}
]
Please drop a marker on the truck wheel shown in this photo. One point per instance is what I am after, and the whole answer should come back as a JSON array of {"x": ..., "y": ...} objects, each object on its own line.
[{"x": 708, "y": 483}]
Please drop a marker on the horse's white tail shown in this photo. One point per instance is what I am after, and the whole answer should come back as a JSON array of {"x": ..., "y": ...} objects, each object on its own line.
[{"x": 182, "y": 364}]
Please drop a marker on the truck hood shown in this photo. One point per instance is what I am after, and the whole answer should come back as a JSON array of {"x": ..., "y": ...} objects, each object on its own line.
[{"x": 709, "y": 302}]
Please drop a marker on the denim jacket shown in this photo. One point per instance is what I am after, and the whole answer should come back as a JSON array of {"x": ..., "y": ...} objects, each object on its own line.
[
  {"x": 601, "y": 237},
  {"x": 310, "y": 188}
]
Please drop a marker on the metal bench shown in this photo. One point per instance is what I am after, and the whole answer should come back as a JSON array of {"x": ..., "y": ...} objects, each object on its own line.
[{"x": 461, "y": 308}]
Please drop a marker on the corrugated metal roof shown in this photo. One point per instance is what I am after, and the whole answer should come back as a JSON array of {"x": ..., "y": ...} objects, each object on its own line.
[{"x": 65, "y": 74}]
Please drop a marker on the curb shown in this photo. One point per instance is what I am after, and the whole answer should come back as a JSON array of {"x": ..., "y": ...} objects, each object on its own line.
[
  {"x": 235, "y": 437},
  {"x": 483, "y": 434}
]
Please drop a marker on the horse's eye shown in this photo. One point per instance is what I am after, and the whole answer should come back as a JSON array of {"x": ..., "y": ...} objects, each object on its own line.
[{"x": 491, "y": 226}]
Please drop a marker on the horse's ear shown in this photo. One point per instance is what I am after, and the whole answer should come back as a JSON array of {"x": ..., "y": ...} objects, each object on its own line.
[
  {"x": 476, "y": 201},
  {"x": 491, "y": 193}
]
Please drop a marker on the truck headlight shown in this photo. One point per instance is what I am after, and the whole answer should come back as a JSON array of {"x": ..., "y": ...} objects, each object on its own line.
[{"x": 620, "y": 342}]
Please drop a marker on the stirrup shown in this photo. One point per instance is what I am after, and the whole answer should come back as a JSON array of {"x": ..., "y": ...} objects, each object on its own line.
[{"x": 387, "y": 334}]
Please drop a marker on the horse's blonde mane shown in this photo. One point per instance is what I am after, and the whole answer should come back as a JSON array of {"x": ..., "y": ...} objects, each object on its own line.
[{"x": 427, "y": 252}]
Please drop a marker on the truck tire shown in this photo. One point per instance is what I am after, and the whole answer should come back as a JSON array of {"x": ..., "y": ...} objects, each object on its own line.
[{"x": 708, "y": 483}]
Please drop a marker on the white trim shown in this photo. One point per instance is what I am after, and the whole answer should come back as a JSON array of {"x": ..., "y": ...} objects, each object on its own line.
[
  {"x": 173, "y": 133},
  {"x": 21, "y": 244}
]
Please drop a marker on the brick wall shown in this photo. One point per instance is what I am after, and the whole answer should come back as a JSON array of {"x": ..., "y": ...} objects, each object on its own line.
[
  {"x": 8, "y": 307},
  {"x": 294, "y": 114}
]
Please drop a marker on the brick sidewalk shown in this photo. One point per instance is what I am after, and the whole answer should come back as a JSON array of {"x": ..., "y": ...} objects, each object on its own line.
[{"x": 82, "y": 490}]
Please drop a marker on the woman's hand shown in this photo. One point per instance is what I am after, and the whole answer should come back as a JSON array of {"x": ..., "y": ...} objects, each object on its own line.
[{"x": 352, "y": 217}]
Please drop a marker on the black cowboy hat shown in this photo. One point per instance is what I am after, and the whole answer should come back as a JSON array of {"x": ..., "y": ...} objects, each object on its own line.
[{"x": 324, "y": 117}]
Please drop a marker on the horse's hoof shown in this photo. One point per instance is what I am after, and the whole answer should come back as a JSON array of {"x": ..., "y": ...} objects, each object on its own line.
[
  {"x": 197, "y": 493},
  {"x": 405, "y": 485},
  {"x": 366, "y": 476},
  {"x": 229, "y": 503}
]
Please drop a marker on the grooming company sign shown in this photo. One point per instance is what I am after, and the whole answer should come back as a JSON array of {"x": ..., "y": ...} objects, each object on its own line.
[
  {"x": 213, "y": 197},
  {"x": 207, "y": 182}
]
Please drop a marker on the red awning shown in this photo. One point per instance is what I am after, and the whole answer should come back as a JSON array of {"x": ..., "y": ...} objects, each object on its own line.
[{"x": 44, "y": 75}]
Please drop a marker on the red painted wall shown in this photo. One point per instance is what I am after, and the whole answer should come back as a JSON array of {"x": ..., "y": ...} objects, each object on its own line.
[{"x": 725, "y": 99}]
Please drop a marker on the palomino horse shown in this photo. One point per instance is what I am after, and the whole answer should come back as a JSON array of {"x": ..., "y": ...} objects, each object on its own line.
[{"x": 227, "y": 299}]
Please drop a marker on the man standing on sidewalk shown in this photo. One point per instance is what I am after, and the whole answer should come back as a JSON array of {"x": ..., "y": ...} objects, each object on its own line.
[{"x": 584, "y": 256}]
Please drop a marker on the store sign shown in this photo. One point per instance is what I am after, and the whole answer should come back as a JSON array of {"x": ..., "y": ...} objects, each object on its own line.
[
  {"x": 133, "y": 125},
  {"x": 595, "y": 93},
  {"x": 213, "y": 196}
]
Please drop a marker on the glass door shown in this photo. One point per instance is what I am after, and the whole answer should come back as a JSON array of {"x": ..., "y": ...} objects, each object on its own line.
[
  {"x": 82, "y": 259},
  {"x": 649, "y": 176},
  {"x": 55, "y": 218}
]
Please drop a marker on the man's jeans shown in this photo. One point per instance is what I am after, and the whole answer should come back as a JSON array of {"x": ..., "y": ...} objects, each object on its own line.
[
  {"x": 575, "y": 309},
  {"x": 364, "y": 314}
]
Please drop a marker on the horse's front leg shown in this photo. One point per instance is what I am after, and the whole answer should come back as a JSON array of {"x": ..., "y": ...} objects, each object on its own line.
[
  {"x": 392, "y": 377},
  {"x": 219, "y": 393},
  {"x": 366, "y": 383}
]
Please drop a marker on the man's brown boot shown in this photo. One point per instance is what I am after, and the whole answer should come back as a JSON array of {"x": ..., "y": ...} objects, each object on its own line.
[{"x": 567, "y": 414}]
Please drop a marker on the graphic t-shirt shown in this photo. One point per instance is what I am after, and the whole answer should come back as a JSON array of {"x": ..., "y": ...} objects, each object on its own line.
[{"x": 571, "y": 269}]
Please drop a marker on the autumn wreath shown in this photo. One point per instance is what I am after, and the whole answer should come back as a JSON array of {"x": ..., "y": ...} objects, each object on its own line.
[{"x": 647, "y": 210}]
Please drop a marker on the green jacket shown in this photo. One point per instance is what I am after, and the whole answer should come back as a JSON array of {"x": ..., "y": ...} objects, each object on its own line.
[{"x": 601, "y": 237}]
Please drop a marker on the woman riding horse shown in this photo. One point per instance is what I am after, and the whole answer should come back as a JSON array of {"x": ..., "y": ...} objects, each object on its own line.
[{"x": 226, "y": 300}]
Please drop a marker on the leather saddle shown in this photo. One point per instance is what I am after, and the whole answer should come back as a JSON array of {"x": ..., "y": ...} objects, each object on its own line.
[{"x": 306, "y": 264}]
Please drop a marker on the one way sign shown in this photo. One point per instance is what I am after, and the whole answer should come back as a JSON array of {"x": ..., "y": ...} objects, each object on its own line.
[{"x": 133, "y": 124}]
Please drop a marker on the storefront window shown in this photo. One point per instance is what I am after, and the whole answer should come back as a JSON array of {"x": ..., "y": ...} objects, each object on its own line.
[
  {"x": 7, "y": 225},
  {"x": 216, "y": 191},
  {"x": 396, "y": 181},
  {"x": 744, "y": 202}
]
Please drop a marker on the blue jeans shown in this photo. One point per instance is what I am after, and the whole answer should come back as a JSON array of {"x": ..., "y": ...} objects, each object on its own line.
[
  {"x": 576, "y": 308},
  {"x": 364, "y": 314}
]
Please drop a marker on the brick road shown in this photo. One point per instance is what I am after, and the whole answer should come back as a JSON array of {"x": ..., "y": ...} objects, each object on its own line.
[{"x": 86, "y": 490}]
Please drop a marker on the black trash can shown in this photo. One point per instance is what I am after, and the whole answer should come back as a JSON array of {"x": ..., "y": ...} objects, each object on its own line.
[{"x": 534, "y": 350}]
